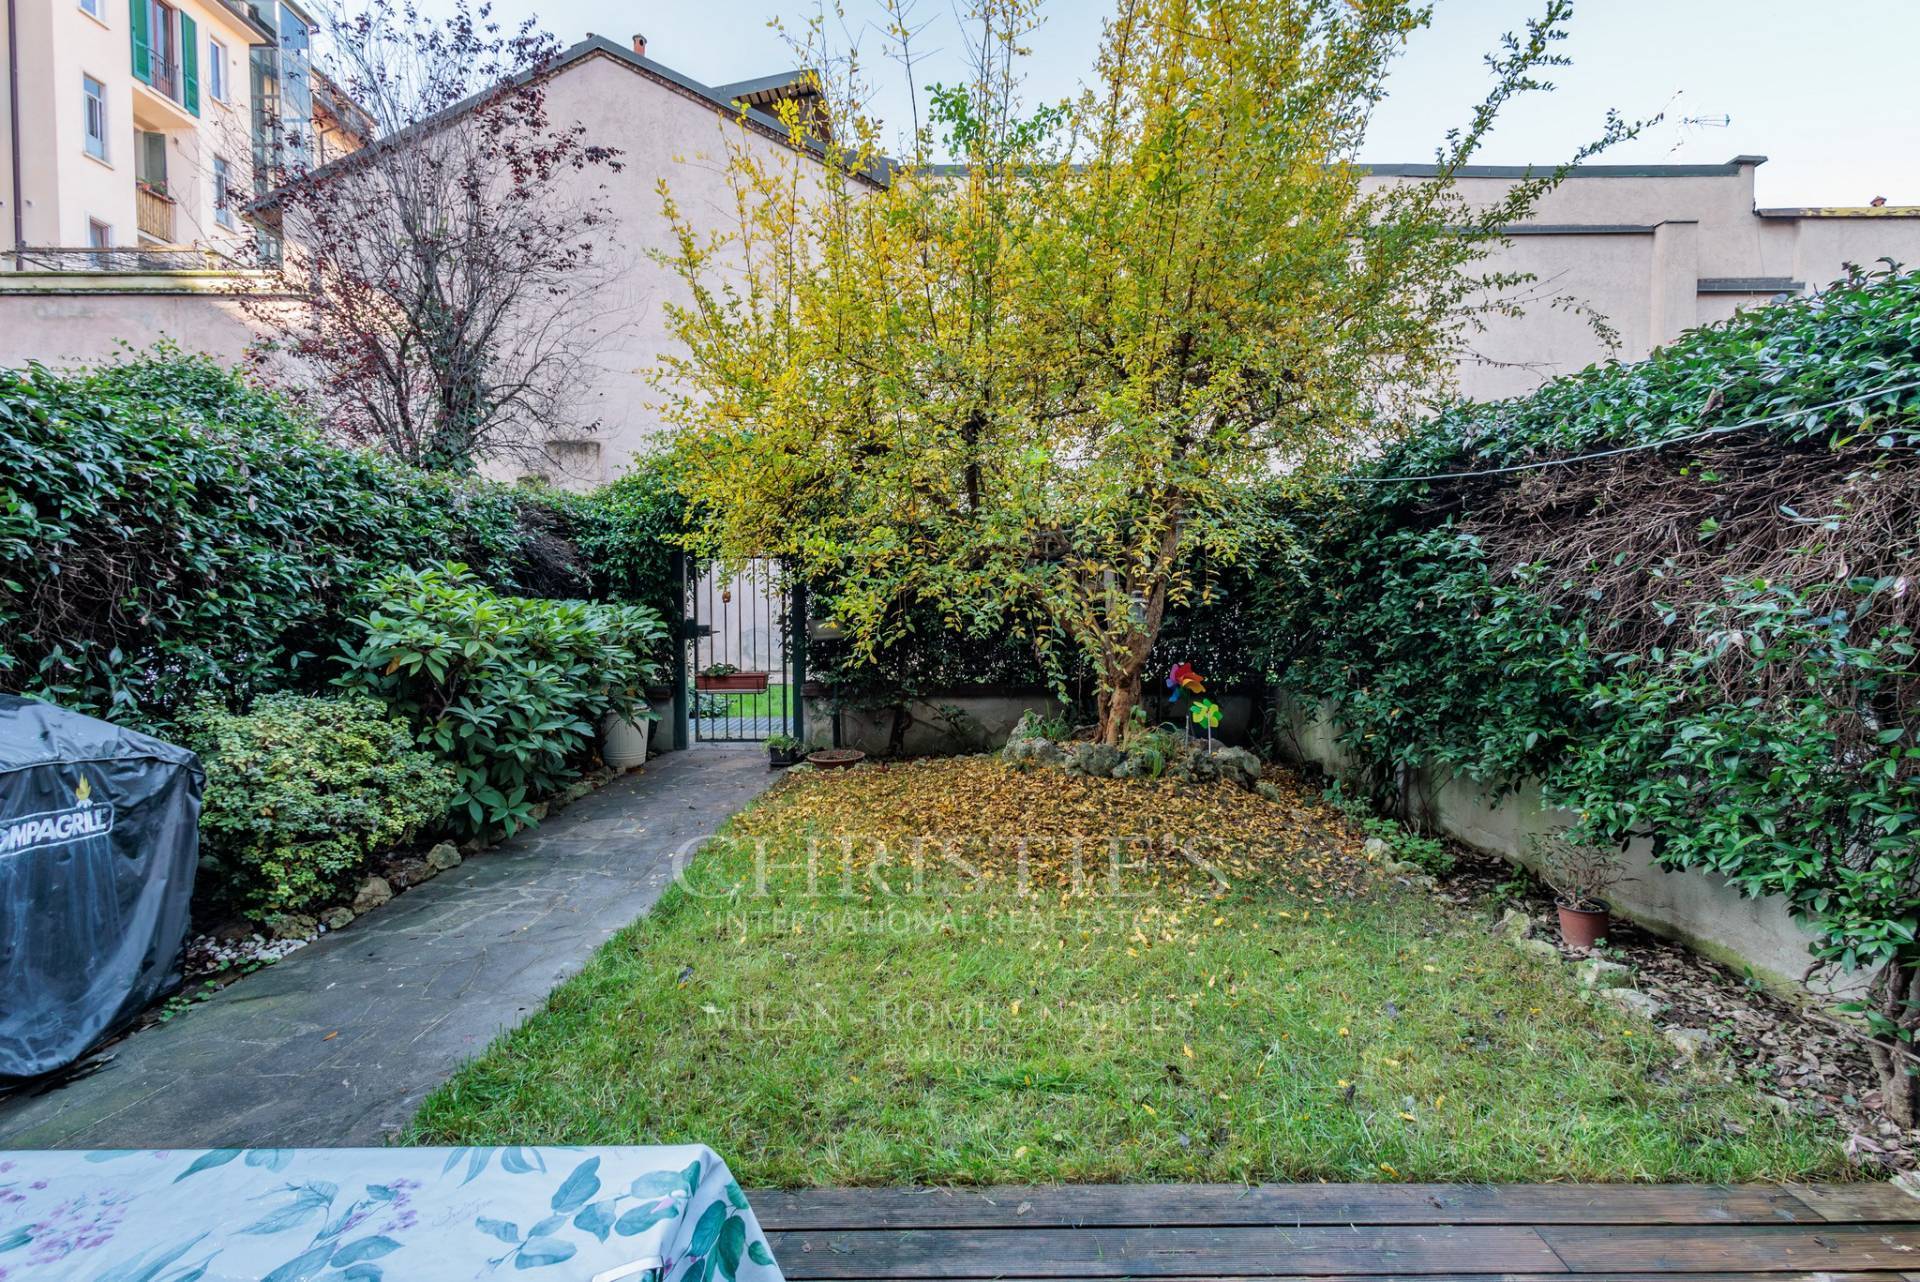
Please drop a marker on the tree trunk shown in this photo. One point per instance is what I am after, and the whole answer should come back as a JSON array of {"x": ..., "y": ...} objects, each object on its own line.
[
  {"x": 1896, "y": 998},
  {"x": 1119, "y": 709}
]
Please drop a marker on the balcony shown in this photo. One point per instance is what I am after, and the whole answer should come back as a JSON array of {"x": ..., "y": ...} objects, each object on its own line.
[{"x": 153, "y": 213}]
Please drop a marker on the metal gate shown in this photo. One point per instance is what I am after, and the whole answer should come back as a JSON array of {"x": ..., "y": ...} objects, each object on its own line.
[{"x": 743, "y": 669}]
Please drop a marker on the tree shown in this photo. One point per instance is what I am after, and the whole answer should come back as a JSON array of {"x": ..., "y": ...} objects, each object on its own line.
[
  {"x": 1027, "y": 389},
  {"x": 442, "y": 277}
]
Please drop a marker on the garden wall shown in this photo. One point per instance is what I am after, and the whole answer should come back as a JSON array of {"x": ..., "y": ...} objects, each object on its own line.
[
  {"x": 1699, "y": 909},
  {"x": 987, "y": 718}
]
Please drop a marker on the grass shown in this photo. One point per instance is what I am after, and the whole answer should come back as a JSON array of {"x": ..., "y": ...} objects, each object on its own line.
[
  {"x": 748, "y": 704},
  {"x": 994, "y": 1010}
]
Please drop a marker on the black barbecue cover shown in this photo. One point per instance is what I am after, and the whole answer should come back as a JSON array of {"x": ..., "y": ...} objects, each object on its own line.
[{"x": 99, "y": 834}]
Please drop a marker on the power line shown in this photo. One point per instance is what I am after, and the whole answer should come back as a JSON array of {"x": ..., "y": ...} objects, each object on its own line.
[{"x": 1633, "y": 449}]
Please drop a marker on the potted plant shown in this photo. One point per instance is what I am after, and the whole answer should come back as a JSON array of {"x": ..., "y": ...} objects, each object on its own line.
[
  {"x": 782, "y": 750},
  {"x": 1581, "y": 877},
  {"x": 623, "y": 739},
  {"x": 726, "y": 677}
]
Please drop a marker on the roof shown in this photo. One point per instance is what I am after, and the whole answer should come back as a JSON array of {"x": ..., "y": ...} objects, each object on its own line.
[
  {"x": 593, "y": 46},
  {"x": 1727, "y": 170},
  {"x": 762, "y": 87}
]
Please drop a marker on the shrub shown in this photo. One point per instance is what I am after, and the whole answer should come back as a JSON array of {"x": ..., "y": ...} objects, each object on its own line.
[
  {"x": 509, "y": 690},
  {"x": 1710, "y": 645},
  {"x": 302, "y": 791},
  {"x": 168, "y": 529}
]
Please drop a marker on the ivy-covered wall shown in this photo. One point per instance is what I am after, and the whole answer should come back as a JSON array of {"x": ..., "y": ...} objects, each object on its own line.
[{"x": 1707, "y": 646}]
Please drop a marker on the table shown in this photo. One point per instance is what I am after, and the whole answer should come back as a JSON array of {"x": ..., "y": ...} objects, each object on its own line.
[{"x": 666, "y": 1214}]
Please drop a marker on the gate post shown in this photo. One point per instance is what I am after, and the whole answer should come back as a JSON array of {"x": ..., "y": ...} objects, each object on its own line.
[
  {"x": 797, "y": 644},
  {"x": 677, "y": 570}
]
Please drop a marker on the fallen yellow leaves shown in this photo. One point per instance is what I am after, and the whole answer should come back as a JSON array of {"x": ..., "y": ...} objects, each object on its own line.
[{"x": 976, "y": 817}]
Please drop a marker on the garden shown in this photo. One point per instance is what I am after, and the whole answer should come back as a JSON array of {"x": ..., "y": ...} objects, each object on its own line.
[
  {"x": 1140, "y": 411},
  {"x": 374, "y": 662}
]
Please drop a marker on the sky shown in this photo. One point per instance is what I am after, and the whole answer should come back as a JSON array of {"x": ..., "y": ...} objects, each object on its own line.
[{"x": 1828, "y": 90}]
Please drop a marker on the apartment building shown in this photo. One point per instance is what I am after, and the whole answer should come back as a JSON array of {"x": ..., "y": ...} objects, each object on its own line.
[{"x": 134, "y": 130}]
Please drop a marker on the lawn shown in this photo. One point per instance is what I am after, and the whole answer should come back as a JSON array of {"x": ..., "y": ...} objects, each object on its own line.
[{"x": 1011, "y": 1003}]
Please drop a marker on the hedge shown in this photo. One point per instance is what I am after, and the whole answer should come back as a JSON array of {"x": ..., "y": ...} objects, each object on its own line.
[{"x": 1709, "y": 644}]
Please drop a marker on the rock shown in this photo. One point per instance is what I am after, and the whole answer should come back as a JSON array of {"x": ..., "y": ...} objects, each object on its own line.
[
  {"x": 292, "y": 926},
  {"x": 474, "y": 845},
  {"x": 1238, "y": 766},
  {"x": 373, "y": 892},
  {"x": 1630, "y": 1000},
  {"x": 1538, "y": 948},
  {"x": 1513, "y": 926},
  {"x": 539, "y": 811},
  {"x": 1690, "y": 1042},
  {"x": 443, "y": 856},
  {"x": 1778, "y": 1103},
  {"x": 1376, "y": 848},
  {"x": 581, "y": 789},
  {"x": 1270, "y": 792},
  {"x": 1027, "y": 728},
  {"x": 403, "y": 874},
  {"x": 1094, "y": 760},
  {"x": 1033, "y": 750},
  {"x": 335, "y": 918},
  {"x": 1603, "y": 974}
]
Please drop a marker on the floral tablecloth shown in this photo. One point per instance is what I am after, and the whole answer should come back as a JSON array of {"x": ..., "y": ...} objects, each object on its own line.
[{"x": 377, "y": 1215}]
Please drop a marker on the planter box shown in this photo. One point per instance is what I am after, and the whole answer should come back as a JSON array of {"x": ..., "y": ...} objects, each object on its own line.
[{"x": 732, "y": 683}]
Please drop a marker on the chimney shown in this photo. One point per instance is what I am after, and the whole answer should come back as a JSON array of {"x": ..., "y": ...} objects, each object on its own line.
[{"x": 640, "y": 45}]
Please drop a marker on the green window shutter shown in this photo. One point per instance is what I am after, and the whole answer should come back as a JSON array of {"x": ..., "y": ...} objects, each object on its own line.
[
  {"x": 189, "y": 64},
  {"x": 142, "y": 49}
]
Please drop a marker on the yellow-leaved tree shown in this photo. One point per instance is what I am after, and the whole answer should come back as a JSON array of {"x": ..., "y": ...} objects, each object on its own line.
[{"x": 1024, "y": 387}]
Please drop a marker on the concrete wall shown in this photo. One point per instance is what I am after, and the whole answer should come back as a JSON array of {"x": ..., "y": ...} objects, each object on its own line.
[
  {"x": 1699, "y": 909},
  {"x": 987, "y": 718},
  {"x": 72, "y": 318}
]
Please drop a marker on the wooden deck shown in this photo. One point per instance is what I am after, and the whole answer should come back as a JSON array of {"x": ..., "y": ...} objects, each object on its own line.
[{"x": 1432, "y": 1232}]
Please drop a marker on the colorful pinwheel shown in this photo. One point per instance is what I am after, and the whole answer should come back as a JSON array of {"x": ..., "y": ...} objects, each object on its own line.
[
  {"x": 1205, "y": 713},
  {"x": 1183, "y": 677}
]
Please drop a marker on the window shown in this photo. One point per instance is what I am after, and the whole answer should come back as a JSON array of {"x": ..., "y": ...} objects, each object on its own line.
[
  {"x": 96, "y": 116},
  {"x": 222, "y": 202},
  {"x": 93, "y": 9},
  {"x": 99, "y": 234},
  {"x": 216, "y": 71}
]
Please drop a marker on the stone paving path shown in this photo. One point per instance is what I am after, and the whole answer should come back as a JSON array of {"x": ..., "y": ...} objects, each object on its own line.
[{"x": 410, "y": 992}]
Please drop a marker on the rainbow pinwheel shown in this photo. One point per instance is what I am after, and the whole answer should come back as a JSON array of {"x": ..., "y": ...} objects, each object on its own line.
[{"x": 1183, "y": 677}]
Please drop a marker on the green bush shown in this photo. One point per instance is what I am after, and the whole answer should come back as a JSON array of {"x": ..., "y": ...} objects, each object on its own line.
[
  {"x": 168, "y": 529},
  {"x": 510, "y": 690},
  {"x": 303, "y": 791},
  {"x": 1671, "y": 647}
]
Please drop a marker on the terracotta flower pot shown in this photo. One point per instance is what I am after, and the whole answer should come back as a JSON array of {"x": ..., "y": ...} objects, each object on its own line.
[
  {"x": 836, "y": 758},
  {"x": 1584, "y": 927},
  {"x": 731, "y": 682}
]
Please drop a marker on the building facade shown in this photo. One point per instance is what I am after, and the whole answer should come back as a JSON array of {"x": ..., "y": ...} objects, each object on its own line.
[
  {"x": 1648, "y": 251},
  {"x": 136, "y": 130}
]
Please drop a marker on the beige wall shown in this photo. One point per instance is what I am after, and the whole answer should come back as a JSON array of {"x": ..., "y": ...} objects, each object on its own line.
[{"x": 1634, "y": 245}]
